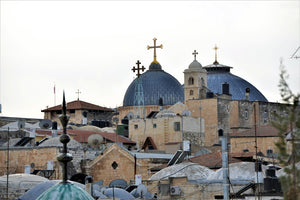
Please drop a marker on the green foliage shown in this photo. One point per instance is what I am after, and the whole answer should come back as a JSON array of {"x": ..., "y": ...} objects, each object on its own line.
[{"x": 288, "y": 122}]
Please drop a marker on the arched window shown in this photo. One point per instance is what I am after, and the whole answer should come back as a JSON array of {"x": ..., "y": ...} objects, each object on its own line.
[
  {"x": 191, "y": 81},
  {"x": 191, "y": 92}
]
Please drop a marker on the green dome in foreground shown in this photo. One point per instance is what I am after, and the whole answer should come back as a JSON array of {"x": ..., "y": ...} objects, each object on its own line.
[{"x": 65, "y": 191}]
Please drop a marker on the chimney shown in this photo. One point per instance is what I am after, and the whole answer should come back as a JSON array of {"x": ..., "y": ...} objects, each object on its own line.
[
  {"x": 247, "y": 94},
  {"x": 54, "y": 129}
]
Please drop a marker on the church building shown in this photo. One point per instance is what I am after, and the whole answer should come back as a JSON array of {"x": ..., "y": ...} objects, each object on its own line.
[{"x": 211, "y": 95}]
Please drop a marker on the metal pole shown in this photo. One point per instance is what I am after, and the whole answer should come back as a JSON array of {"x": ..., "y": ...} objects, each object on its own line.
[
  {"x": 256, "y": 161},
  {"x": 7, "y": 166},
  {"x": 225, "y": 167}
]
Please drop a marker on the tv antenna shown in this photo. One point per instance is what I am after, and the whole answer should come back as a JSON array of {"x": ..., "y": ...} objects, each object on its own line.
[{"x": 294, "y": 54}]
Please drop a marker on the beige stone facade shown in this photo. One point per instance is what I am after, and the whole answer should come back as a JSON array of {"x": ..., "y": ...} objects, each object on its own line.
[
  {"x": 124, "y": 111},
  {"x": 36, "y": 157},
  {"x": 117, "y": 163},
  {"x": 195, "y": 81},
  {"x": 238, "y": 144},
  {"x": 167, "y": 127}
]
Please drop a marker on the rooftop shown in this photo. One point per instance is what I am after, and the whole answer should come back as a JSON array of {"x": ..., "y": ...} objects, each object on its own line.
[
  {"x": 261, "y": 131},
  {"x": 78, "y": 105}
]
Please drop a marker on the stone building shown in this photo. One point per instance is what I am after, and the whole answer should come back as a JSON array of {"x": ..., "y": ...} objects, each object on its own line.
[
  {"x": 116, "y": 162},
  {"x": 166, "y": 129},
  {"x": 211, "y": 95},
  {"x": 266, "y": 136},
  {"x": 39, "y": 157},
  {"x": 80, "y": 112},
  {"x": 193, "y": 181}
]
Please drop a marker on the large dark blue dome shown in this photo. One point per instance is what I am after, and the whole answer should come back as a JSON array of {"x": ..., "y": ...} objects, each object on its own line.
[
  {"x": 218, "y": 74},
  {"x": 156, "y": 84}
]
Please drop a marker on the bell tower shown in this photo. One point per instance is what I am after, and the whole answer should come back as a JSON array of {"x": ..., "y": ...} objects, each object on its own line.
[{"x": 195, "y": 80}]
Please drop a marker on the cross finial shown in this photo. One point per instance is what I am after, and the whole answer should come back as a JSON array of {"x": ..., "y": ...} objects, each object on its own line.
[
  {"x": 154, "y": 47},
  {"x": 216, "y": 48},
  {"x": 78, "y": 92},
  {"x": 138, "y": 68},
  {"x": 195, "y": 54}
]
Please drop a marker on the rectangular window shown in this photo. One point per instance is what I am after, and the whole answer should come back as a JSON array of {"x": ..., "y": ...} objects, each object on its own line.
[
  {"x": 154, "y": 125},
  {"x": 136, "y": 126},
  {"x": 176, "y": 126}
]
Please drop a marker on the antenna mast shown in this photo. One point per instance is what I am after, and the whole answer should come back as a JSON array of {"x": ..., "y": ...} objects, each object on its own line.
[{"x": 294, "y": 54}]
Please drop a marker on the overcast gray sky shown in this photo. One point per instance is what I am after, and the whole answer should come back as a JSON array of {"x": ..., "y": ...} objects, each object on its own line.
[{"x": 92, "y": 46}]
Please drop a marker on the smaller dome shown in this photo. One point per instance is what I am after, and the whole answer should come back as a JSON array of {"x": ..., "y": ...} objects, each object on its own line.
[
  {"x": 192, "y": 171},
  {"x": 240, "y": 170},
  {"x": 195, "y": 65},
  {"x": 65, "y": 191},
  {"x": 37, "y": 190},
  {"x": 155, "y": 66},
  {"x": 55, "y": 142}
]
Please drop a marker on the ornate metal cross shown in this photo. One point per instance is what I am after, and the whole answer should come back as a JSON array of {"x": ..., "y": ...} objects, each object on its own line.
[
  {"x": 154, "y": 47},
  {"x": 195, "y": 54},
  {"x": 216, "y": 48},
  {"x": 138, "y": 68}
]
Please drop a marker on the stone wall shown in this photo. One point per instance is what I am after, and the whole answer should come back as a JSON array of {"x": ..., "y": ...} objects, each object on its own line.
[
  {"x": 238, "y": 144},
  {"x": 116, "y": 163},
  {"x": 162, "y": 130},
  {"x": 20, "y": 157},
  {"x": 191, "y": 190}
]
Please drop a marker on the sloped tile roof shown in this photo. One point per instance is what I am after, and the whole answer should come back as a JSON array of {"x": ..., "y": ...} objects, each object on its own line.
[
  {"x": 82, "y": 136},
  {"x": 261, "y": 131},
  {"x": 211, "y": 160},
  {"x": 78, "y": 105}
]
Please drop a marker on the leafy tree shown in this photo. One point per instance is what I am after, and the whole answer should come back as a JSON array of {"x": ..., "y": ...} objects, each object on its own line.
[{"x": 289, "y": 122}]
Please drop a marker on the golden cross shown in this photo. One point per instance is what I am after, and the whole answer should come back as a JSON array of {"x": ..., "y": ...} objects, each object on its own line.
[
  {"x": 216, "y": 48},
  {"x": 195, "y": 54},
  {"x": 154, "y": 47},
  {"x": 138, "y": 68},
  {"x": 78, "y": 92}
]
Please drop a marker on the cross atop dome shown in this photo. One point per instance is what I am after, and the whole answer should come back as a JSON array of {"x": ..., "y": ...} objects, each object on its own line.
[
  {"x": 195, "y": 54},
  {"x": 216, "y": 48},
  {"x": 138, "y": 68},
  {"x": 154, "y": 47}
]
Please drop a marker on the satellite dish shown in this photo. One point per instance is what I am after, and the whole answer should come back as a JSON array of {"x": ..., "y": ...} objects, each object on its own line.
[
  {"x": 141, "y": 190},
  {"x": 45, "y": 124},
  {"x": 130, "y": 115},
  {"x": 186, "y": 113},
  {"x": 95, "y": 140},
  {"x": 21, "y": 124}
]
